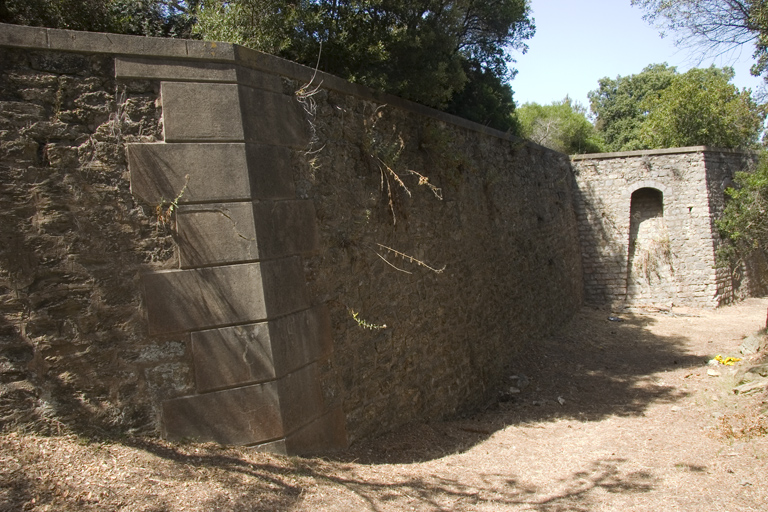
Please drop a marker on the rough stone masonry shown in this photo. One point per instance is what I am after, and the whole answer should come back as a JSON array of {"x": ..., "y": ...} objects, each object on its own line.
[
  {"x": 647, "y": 227},
  {"x": 203, "y": 241}
]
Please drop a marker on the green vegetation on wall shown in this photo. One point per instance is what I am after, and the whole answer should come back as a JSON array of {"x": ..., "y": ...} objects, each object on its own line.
[{"x": 744, "y": 224}]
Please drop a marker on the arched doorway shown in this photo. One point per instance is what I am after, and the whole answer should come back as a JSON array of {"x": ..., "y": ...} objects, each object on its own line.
[{"x": 650, "y": 274}]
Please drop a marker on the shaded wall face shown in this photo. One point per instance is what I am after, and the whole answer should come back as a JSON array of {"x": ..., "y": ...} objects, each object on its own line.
[
  {"x": 462, "y": 245},
  {"x": 440, "y": 251},
  {"x": 604, "y": 199}
]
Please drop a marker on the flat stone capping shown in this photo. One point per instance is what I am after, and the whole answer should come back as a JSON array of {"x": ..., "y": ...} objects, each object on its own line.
[
  {"x": 186, "y": 70},
  {"x": 653, "y": 152},
  {"x": 118, "y": 44}
]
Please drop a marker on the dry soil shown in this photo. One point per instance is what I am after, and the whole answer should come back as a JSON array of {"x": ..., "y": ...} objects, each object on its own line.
[{"x": 616, "y": 415}]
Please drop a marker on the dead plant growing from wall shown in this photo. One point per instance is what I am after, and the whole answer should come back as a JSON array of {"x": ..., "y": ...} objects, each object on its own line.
[
  {"x": 652, "y": 254},
  {"x": 384, "y": 149}
]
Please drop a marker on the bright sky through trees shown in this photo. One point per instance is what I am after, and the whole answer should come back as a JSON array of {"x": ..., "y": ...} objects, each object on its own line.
[{"x": 579, "y": 42}]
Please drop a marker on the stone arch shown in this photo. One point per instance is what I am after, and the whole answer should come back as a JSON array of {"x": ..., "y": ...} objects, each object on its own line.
[{"x": 649, "y": 271}]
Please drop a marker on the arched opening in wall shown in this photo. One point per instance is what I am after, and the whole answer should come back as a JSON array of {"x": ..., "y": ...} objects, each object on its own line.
[{"x": 650, "y": 276}]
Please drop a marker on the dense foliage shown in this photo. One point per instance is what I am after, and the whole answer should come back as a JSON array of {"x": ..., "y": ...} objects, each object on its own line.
[
  {"x": 448, "y": 54},
  {"x": 660, "y": 108},
  {"x": 617, "y": 105},
  {"x": 701, "y": 107},
  {"x": 561, "y": 125},
  {"x": 744, "y": 224},
  {"x": 165, "y": 18}
]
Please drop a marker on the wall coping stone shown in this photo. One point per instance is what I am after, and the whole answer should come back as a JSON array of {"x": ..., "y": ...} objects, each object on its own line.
[
  {"x": 19, "y": 36},
  {"x": 655, "y": 152}
]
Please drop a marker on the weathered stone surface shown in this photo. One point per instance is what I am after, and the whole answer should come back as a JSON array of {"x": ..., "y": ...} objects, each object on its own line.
[
  {"x": 217, "y": 233},
  {"x": 239, "y": 416},
  {"x": 232, "y": 356},
  {"x": 95, "y": 42},
  {"x": 285, "y": 290},
  {"x": 301, "y": 397},
  {"x": 285, "y": 228},
  {"x": 239, "y": 232},
  {"x": 270, "y": 118},
  {"x": 325, "y": 434},
  {"x": 186, "y": 300},
  {"x": 239, "y": 355},
  {"x": 194, "y": 71},
  {"x": 23, "y": 37},
  {"x": 689, "y": 181},
  {"x": 181, "y": 70},
  {"x": 203, "y": 112},
  {"x": 190, "y": 173},
  {"x": 300, "y": 339},
  {"x": 271, "y": 171},
  {"x": 499, "y": 237},
  {"x": 74, "y": 243}
]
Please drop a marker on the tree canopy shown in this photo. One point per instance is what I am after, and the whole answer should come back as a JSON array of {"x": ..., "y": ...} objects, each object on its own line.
[
  {"x": 448, "y": 54},
  {"x": 617, "y": 105},
  {"x": 660, "y": 108},
  {"x": 701, "y": 107},
  {"x": 163, "y": 18},
  {"x": 453, "y": 55},
  {"x": 561, "y": 125},
  {"x": 714, "y": 26}
]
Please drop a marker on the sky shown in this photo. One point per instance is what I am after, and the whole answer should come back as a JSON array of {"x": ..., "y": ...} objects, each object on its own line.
[{"x": 577, "y": 42}]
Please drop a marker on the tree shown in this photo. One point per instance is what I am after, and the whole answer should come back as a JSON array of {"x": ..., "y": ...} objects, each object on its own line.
[
  {"x": 744, "y": 224},
  {"x": 659, "y": 108},
  {"x": 714, "y": 26},
  {"x": 745, "y": 218},
  {"x": 616, "y": 104},
  {"x": 165, "y": 18},
  {"x": 426, "y": 51},
  {"x": 561, "y": 125},
  {"x": 701, "y": 107}
]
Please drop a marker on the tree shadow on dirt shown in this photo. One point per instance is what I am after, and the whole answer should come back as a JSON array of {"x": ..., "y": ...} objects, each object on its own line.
[
  {"x": 321, "y": 484},
  {"x": 591, "y": 369}
]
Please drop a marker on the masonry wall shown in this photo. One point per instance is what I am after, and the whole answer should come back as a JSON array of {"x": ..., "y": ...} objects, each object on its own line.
[
  {"x": 679, "y": 264},
  {"x": 378, "y": 263}
]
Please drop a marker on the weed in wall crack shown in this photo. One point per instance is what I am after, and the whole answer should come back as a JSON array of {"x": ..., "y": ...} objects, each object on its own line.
[
  {"x": 363, "y": 323},
  {"x": 409, "y": 259},
  {"x": 305, "y": 95},
  {"x": 165, "y": 209}
]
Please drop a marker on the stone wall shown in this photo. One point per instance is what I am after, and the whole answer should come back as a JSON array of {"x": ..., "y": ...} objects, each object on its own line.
[
  {"x": 302, "y": 263},
  {"x": 495, "y": 258},
  {"x": 74, "y": 347},
  {"x": 631, "y": 256}
]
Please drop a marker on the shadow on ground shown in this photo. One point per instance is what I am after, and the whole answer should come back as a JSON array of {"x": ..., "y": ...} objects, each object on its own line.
[
  {"x": 279, "y": 487},
  {"x": 597, "y": 368},
  {"x": 591, "y": 369}
]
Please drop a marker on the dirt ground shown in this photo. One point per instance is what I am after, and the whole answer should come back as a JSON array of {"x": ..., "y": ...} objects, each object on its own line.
[{"x": 617, "y": 415}]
